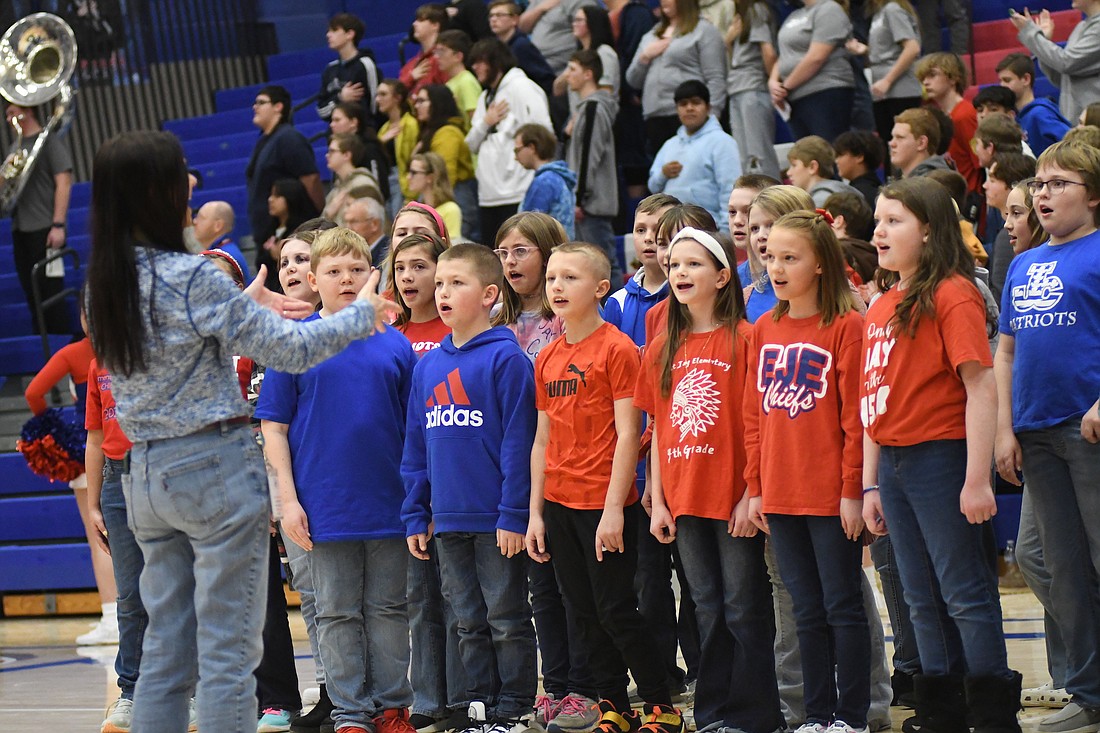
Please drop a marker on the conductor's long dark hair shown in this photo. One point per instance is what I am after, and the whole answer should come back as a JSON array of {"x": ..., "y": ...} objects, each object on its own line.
[{"x": 139, "y": 199}]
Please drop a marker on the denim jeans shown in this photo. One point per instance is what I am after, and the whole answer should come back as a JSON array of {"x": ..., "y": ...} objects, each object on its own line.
[
  {"x": 788, "y": 658},
  {"x": 826, "y": 113},
  {"x": 906, "y": 657},
  {"x": 733, "y": 603},
  {"x": 919, "y": 487},
  {"x": 822, "y": 570},
  {"x": 198, "y": 507},
  {"x": 601, "y": 595},
  {"x": 437, "y": 675},
  {"x": 1029, "y": 558},
  {"x": 488, "y": 593},
  {"x": 657, "y": 604},
  {"x": 363, "y": 626},
  {"x": 564, "y": 658},
  {"x": 466, "y": 198},
  {"x": 1061, "y": 470},
  {"x": 127, "y": 562},
  {"x": 597, "y": 230},
  {"x": 302, "y": 582},
  {"x": 752, "y": 125}
]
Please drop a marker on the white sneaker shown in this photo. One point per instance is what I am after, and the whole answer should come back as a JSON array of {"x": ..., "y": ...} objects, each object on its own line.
[
  {"x": 839, "y": 726},
  {"x": 104, "y": 632},
  {"x": 118, "y": 717},
  {"x": 811, "y": 728},
  {"x": 310, "y": 696}
]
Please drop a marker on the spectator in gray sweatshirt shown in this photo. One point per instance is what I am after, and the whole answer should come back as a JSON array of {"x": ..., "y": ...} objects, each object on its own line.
[
  {"x": 681, "y": 47},
  {"x": 590, "y": 153}
]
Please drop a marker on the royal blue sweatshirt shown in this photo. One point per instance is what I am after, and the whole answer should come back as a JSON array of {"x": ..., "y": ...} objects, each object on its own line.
[
  {"x": 470, "y": 428},
  {"x": 1043, "y": 123},
  {"x": 626, "y": 308}
]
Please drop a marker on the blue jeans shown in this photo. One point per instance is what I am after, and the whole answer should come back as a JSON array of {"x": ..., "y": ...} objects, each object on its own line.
[
  {"x": 363, "y": 626},
  {"x": 733, "y": 603},
  {"x": 437, "y": 675},
  {"x": 488, "y": 593},
  {"x": 302, "y": 582},
  {"x": 1029, "y": 558},
  {"x": 597, "y": 230},
  {"x": 822, "y": 569},
  {"x": 466, "y": 198},
  {"x": 919, "y": 487},
  {"x": 198, "y": 507},
  {"x": 906, "y": 657},
  {"x": 127, "y": 562},
  {"x": 826, "y": 113},
  {"x": 1061, "y": 470}
]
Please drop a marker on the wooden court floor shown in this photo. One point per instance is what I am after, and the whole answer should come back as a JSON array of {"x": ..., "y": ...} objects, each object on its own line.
[{"x": 49, "y": 683}]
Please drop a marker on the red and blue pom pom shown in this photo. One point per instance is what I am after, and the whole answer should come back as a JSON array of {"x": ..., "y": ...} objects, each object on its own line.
[{"x": 53, "y": 446}]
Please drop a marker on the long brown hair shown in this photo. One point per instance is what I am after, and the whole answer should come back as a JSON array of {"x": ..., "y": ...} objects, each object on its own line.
[
  {"x": 729, "y": 310},
  {"x": 834, "y": 294},
  {"x": 943, "y": 255},
  {"x": 687, "y": 17},
  {"x": 433, "y": 246},
  {"x": 744, "y": 9},
  {"x": 543, "y": 231}
]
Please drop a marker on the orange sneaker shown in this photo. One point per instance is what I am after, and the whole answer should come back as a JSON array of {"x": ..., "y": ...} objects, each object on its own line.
[{"x": 393, "y": 721}]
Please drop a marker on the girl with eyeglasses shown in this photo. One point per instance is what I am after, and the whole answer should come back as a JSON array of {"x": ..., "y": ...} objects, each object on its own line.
[{"x": 429, "y": 182}]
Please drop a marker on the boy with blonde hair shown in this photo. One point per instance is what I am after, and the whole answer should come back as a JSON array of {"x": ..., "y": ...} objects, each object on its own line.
[
  {"x": 584, "y": 509},
  {"x": 467, "y": 473},
  {"x": 345, "y": 509},
  {"x": 943, "y": 77}
]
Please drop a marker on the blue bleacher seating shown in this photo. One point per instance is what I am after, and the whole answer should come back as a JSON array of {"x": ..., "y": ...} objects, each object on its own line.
[
  {"x": 18, "y": 479},
  {"x": 23, "y": 355},
  {"x": 215, "y": 125},
  {"x": 41, "y": 518},
  {"x": 28, "y": 568},
  {"x": 300, "y": 88}
]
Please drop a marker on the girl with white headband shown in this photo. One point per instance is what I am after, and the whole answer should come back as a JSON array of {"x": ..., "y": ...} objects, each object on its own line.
[{"x": 692, "y": 383}]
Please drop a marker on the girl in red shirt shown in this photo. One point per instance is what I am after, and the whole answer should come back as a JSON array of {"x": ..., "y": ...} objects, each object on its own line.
[
  {"x": 928, "y": 403},
  {"x": 802, "y": 389},
  {"x": 692, "y": 383},
  {"x": 411, "y": 270}
]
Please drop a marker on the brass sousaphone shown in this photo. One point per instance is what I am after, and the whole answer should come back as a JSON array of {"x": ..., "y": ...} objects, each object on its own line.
[{"x": 37, "y": 59}]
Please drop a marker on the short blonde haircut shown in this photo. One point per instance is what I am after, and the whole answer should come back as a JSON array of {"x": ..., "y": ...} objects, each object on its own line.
[
  {"x": 337, "y": 242},
  {"x": 600, "y": 265},
  {"x": 1076, "y": 156},
  {"x": 783, "y": 199},
  {"x": 814, "y": 148}
]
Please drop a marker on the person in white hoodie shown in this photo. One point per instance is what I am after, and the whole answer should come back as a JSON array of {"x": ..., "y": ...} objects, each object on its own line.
[{"x": 510, "y": 100}]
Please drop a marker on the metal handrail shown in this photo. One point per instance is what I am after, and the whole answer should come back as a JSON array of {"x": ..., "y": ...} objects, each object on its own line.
[{"x": 40, "y": 305}]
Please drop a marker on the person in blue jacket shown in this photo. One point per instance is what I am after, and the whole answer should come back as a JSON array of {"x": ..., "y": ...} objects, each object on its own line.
[
  {"x": 553, "y": 189},
  {"x": 699, "y": 164},
  {"x": 467, "y": 473},
  {"x": 1040, "y": 118}
]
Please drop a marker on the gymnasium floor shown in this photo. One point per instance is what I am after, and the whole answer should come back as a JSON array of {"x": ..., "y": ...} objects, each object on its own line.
[{"x": 48, "y": 683}]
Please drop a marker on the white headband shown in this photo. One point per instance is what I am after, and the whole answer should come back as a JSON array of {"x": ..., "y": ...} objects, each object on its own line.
[{"x": 704, "y": 238}]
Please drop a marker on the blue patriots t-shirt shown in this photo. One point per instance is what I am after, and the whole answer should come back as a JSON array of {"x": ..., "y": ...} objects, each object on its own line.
[
  {"x": 347, "y": 428},
  {"x": 1051, "y": 306}
]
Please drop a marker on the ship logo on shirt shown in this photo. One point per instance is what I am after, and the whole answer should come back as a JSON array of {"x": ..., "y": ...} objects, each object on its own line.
[
  {"x": 793, "y": 377},
  {"x": 1041, "y": 292},
  {"x": 695, "y": 404},
  {"x": 443, "y": 410}
]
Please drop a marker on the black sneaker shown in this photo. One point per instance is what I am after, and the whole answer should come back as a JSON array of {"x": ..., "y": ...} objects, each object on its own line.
[
  {"x": 612, "y": 721},
  {"x": 317, "y": 720},
  {"x": 661, "y": 719}
]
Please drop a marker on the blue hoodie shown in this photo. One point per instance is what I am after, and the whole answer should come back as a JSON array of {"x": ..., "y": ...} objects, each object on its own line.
[
  {"x": 469, "y": 432},
  {"x": 626, "y": 308},
  {"x": 553, "y": 191},
  {"x": 1043, "y": 124}
]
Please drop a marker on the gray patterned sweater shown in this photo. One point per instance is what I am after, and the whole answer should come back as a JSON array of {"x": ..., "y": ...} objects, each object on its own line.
[{"x": 198, "y": 321}]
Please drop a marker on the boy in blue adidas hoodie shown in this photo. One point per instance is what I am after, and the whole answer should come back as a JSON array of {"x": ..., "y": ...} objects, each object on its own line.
[{"x": 467, "y": 473}]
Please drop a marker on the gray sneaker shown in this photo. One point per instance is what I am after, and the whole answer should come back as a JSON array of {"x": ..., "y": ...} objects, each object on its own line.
[
  {"x": 118, "y": 717},
  {"x": 1071, "y": 719},
  {"x": 577, "y": 714}
]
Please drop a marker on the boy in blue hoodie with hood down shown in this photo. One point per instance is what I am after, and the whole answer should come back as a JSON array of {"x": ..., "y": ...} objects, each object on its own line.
[
  {"x": 467, "y": 473},
  {"x": 552, "y": 190},
  {"x": 1043, "y": 123}
]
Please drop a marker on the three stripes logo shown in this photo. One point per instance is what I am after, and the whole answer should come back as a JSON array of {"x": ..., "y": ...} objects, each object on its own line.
[{"x": 444, "y": 405}]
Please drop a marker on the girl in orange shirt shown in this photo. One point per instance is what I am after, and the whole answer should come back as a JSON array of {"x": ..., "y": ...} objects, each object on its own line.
[
  {"x": 692, "y": 383},
  {"x": 928, "y": 403},
  {"x": 802, "y": 388}
]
